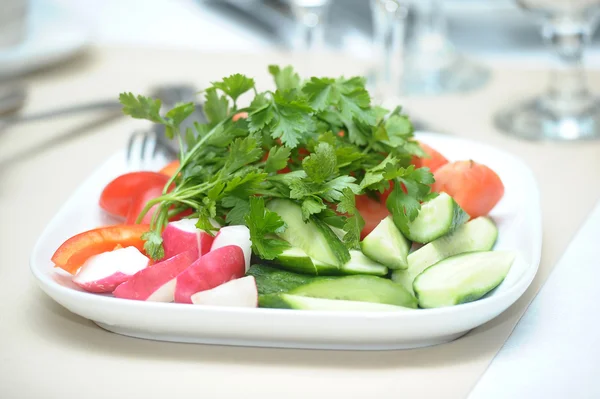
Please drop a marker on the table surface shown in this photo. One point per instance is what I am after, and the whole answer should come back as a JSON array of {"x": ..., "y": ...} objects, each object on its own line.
[{"x": 45, "y": 351}]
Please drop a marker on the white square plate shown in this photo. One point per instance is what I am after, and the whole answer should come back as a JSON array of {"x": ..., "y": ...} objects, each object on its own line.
[{"x": 517, "y": 216}]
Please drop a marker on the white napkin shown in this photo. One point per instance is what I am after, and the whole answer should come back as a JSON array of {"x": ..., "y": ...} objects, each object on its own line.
[{"x": 554, "y": 351}]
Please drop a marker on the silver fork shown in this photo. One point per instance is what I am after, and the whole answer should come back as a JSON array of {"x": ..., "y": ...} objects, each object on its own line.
[{"x": 142, "y": 150}]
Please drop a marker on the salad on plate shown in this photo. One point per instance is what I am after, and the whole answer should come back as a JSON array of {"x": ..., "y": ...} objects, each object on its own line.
[{"x": 305, "y": 197}]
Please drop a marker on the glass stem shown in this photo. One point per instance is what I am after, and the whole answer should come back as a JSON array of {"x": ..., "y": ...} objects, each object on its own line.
[{"x": 567, "y": 91}]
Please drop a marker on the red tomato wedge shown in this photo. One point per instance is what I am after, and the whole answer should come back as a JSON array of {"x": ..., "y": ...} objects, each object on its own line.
[
  {"x": 77, "y": 249},
  {"x": 434, "y": 161},
  {"x": 475, "y": 187},
  {"x": 120, "y": 195},
  {"x": 139, "y": 203},
  {"x": 372, "y": 212},
  {"x": 170, "y": 168}
]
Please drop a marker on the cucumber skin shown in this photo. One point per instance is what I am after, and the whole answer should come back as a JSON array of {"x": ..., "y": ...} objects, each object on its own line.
[
  {"x": 307, "y": 265},
  {"x": 459, "y": 217},
  {"x": 468, "y": 296},
  {"x": 389, "y": 292},
  {"x": 270, "y": 280},
  {"x": 275, "y": 301},
  {"x": 288, "y": 301},
  {"x": 335, "y": 245},
  {"x": 444, "y": 248}
]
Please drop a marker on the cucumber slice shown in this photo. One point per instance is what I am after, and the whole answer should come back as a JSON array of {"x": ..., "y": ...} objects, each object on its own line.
[
  {"x": 386, "y": 245},
  {"x": 479, "y": 234},
  {"x": 270, "y": 280},
  {"x": 361, "y": 264},
  {"x": 287, "y": 301},
  {"x": 358, "y": 288},
  {"x": 314, "y": 236},
  {"x": 437, "y": 217},
  {"x": 461, "y": 278},
  {"x": 296, "y": 260}
]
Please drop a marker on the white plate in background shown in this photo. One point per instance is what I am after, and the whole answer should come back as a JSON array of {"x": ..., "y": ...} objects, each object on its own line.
[
  {"x": 517, "y": 216},
  {"x": 52, "y": 34}
]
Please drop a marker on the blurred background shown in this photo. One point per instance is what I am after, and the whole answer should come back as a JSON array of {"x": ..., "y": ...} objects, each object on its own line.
[
  {"x": 409, "y": 47},
  {"x": 492, "y": 31}
]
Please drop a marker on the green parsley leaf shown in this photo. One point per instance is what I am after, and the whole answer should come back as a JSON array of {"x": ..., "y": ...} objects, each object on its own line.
[
  {"x": 333, "y": 188},
  {"x": 235, "y": 85},
  {"x": 277, "y": 159},
  {"x": 322, "y": 164},
  {"x": 311, "y": 206},
  {"x": 258, "y": 119},
  {"x": 353, "y": 226},
  {"x": 216, "y": 108},
  {"x": 141, "y": 107},
  {"x": 354, "y": 222},
  {"x": 291, "y": 119},
  {"x": 153, "y": 246},
  {"x": 262, "y": 222},
  {"x": 242, "y": 152},
  {"x": 398, "y": 129},
  {"x": 204, "y": 221},
  {"x": 286, "y": 78},
  {"x": 239, "y": 209},
  {"x": 321, "y": 92}
]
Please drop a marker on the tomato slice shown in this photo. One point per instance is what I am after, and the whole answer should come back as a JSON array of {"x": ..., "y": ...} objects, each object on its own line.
[
  {"x": 372, "y": 212},
  {"x": 139, "y": 203},
  {"x": 170, "y": 169},
  {"x": 77, "y": 249},
  {"x": 475, "y": 187},
  {"x": 120, "y": 194},
  {"x": 434, "y": 161}
]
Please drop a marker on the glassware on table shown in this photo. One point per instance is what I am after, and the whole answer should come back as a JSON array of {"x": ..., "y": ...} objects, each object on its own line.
[
  {"x": 566, "y": 110},
  {"x": 432, "y": 63},
  {"x": 389, "y": 22},
  {"x": 310, "y": 16}
]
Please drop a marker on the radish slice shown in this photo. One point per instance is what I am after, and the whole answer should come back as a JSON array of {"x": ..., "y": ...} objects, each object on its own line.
[
  {"x": 211, "y": 270},
  {"x": 157, "y": 282},
  {"x": 104, "y": 272},
  {"x": 235, "y": 235},
  {"x": 241, "y": 292},
  {"x": 183, "y": 235}
]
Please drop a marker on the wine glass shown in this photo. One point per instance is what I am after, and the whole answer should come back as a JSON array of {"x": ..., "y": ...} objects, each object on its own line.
[
  {"x": 432, "y": 64},
  {"x": 566, "y": 110}
]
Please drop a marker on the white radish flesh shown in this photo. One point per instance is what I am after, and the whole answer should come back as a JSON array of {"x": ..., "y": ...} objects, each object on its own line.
[
  {"x": 235, "y": 235},
  {"x": 240, "y": 293},
  {"x": 211, "y": 270},
  {"x": 104, "y": 272}
]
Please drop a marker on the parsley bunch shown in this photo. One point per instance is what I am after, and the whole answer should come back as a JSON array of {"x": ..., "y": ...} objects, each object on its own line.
[{"x": 318, "y": 142}]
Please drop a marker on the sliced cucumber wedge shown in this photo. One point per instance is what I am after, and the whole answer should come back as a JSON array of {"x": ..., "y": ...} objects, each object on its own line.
[
  {"x": 358, "y": 288},
  {"x": 296, "y": 260},
  {"x": 314, "y": 236},
  {"x": 461, "y": 278},
  {"x": 479, "y": 234},
  {"x": 436, "y": 218},
  {"x": 361, "y": 264},
  {"x": 271, "y": 280},
  {"x": 287, "y": 301},
  {"x": 386, "y": 245}
]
